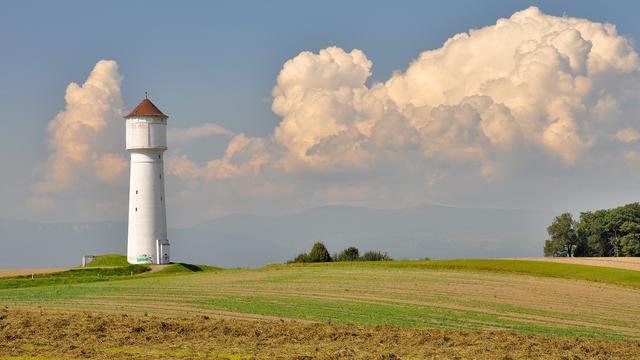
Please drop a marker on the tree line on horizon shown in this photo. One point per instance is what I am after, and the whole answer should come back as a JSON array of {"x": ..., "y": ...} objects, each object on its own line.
[
  {"x": 604, "y": 233},
  {"x": 319, "y": 253}
]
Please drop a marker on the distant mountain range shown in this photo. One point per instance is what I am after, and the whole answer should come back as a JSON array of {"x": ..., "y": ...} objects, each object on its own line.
[{"x": 248, "y": 240}]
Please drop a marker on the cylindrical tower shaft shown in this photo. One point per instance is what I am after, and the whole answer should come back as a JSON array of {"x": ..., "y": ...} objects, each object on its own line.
[
  {"x": 146, "y": 141},
  {"x": 147, "y": 210}
]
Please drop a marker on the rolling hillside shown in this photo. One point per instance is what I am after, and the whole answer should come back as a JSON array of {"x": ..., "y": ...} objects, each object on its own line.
[{"x": 384, "y": 310}]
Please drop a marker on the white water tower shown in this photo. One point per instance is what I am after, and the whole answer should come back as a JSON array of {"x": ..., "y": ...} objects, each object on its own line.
[{"x": 146, "y": 142}]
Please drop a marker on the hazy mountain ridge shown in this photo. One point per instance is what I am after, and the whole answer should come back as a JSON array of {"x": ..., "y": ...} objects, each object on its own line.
[{"x": 250, "y": 240}]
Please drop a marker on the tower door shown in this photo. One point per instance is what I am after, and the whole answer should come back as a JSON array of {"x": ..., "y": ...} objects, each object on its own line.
[
  {"x": 162, "y": 251},
  {"x": 165, "y": 253}
]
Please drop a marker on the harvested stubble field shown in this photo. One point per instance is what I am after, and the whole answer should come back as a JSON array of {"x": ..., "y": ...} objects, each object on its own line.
[
  {"x": 630, "y": 263},
  {"x": 470, "y": 309},
  {"x": 26, "y": 272},
  {"x": 58, "y": 335}
]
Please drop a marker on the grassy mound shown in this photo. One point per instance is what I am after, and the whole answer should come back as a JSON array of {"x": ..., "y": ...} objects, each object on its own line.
[
  {"x": 109, "y": 260},
  {"x": 104, "y": 271}
]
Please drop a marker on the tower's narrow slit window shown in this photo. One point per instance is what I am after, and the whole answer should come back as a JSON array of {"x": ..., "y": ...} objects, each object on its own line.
[
  {"x": 136, "y": 209},
  {"x": 136, "y": 192}
]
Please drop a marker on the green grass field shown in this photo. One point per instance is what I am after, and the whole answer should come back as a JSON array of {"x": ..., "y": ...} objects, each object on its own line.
[{"x": 521, "y": 296}]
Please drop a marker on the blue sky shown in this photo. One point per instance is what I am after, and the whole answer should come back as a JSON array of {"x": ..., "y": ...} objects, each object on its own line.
[{"x": 218, "y": 62}]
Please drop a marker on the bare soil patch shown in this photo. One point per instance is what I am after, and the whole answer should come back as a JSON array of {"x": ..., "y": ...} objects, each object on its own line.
[
  {"x": 629, "y": 263},
  {"x": 50, "y": 334}
]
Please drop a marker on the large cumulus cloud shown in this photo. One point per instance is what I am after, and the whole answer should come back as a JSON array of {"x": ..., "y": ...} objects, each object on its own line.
[
  {"x": 496, "y": 116},
  {"x": 554, "y": 84},
  {"x": 533, "y": 90},
  {"x": 86, "y": 155},
  {"x": 82, "y": 136}
]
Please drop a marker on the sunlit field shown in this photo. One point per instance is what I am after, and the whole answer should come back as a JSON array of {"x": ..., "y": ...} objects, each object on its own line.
[{"x": 564, "y": 307}]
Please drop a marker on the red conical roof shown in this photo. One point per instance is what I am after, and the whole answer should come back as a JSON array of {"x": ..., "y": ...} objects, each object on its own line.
[{"x": 146, "y": 108}]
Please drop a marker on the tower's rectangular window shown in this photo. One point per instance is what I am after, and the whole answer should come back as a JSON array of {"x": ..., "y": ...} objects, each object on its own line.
[{"x": 136, "y": 192}]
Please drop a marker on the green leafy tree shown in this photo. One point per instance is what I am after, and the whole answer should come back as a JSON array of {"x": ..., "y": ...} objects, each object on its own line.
[
  {"x": 611, "y": 232},
  {"x": 630, "y": 245},
  {"x": 319, "y": 253},
  {"x": 591, "y": 234},
  {"x": 349, "y": 254},
  {"x": 553, "y": 247},
  {"x": 563, "y": 236},
  {"x": 630, "y": 240},
  {"x": 620, "y": 222}
]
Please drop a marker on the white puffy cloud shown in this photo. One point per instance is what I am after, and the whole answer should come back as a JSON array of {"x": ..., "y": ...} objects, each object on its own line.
[
  {"x": 178, "y": 135},
  {"x": 493, "y": 117},
  {"x": 82, "y": 136},
  {"x": 110, "y": 167},
  {"x": 532, "y": 78},
  {"x": 243, "y": 157},
  {"x": 628, "y": 135},
  {"x": 314, "y": 95},
  {"x": 530, "y": 94},
  {"x": 84, "y": 177}
]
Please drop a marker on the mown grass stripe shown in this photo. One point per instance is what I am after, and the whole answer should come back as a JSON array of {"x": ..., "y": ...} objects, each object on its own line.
[{"x": 393, "y": 314}]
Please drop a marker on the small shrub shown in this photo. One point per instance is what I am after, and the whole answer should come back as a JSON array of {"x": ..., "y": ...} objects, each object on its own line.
[
  {"x": 349, "y": 254},
  {"x": 376, "y": 256},
  {"x": 301, "y": 258}
]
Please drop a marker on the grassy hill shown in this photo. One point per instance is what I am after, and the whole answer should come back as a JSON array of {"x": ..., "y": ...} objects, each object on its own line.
[
  {"x": 111, "y": 267},
  {"x": 521, "y": 296},
  {"x": 108, "y": 260}
]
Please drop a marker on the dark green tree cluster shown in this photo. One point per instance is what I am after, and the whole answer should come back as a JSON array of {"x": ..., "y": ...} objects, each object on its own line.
[
  {"x": 612, "y": 232},
  {"x": 319, "y": 253},
  {"x": 349, "y": 254}
]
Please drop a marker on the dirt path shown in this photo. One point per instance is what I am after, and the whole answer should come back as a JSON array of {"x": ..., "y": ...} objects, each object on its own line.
[
  {"x": 629, "y": 263},
  {"x": 155, "y": 268},
  {"x": 34, "y": 271}
]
